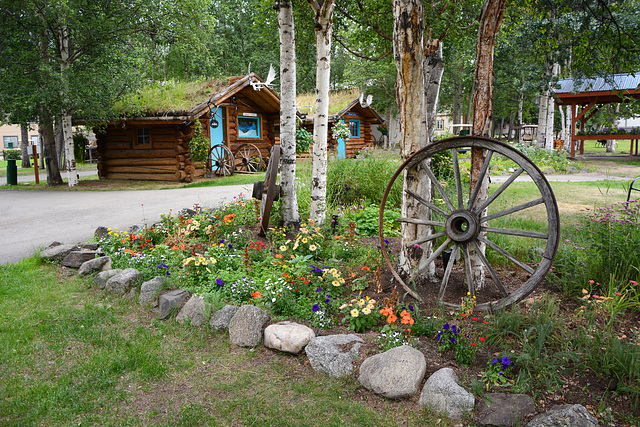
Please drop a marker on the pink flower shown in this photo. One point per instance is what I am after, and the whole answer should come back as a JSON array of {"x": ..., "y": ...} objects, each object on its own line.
[{"x": 416, "y": 246}]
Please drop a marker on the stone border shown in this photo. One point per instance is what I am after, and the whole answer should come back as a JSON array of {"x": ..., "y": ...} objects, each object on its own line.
[{"x": 395, "y": 374}]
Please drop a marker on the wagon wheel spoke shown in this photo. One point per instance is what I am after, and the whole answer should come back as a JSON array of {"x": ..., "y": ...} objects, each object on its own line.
[
  {"x": 447, "y": 271},
  {"x": 250, "y": 158},
  {"x": 483, "y": 173},
  {"x": 467, "y": 270},
  {"x": 436, "y": 183},
  {"x": 513, "y": 209},
  {"x": 434, "y": 255},
  {"x": 492, "y": 271},
  {"x": 421, "y": 222},
  {"x": 456, "y": 173},
  {"x": 427, "y": 203},
  {"x": 425, "y": 239},
  {"x": 499, "y": 191},
  {"x": 521, "y": 233},
  {"x": 506, "y": 254}
]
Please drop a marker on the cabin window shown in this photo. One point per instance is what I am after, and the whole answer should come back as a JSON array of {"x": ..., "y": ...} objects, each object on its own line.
[
  {"x": 34, "y": 140},
  {"x": 143, "y": 138},
  {"x": 354, "y": 128},
  {"x": 248, "y": 127},
  {"x": 10, "y": 141},
  {"x": 439, "y": 124}
]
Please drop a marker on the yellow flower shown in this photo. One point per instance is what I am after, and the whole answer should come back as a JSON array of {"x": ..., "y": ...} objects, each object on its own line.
[
  {"x": 335, "y": 283},
  {"x": 361, "y": 303},
  {"x": 366, "y": 310},
  {"x": 355, "y": 313},
  {"x": 305, "y": 240},
  {"x": 283, "y": 248},
  {"x": 312, "y": 248}
]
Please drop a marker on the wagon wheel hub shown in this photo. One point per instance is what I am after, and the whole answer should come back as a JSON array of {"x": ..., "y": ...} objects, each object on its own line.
[{"x": 462, "y": 226}]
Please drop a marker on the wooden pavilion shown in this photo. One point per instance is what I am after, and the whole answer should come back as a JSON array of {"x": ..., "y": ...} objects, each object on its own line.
[
  {"x": 587, "y": 96},
  {"x": 155, "y": 146}
]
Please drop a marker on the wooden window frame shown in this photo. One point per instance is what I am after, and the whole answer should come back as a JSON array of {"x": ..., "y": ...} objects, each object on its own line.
[
  {"x": 357, "y": 123},
  {"x": 136, "y": 137},
  {"x": 256, "y": 119}
]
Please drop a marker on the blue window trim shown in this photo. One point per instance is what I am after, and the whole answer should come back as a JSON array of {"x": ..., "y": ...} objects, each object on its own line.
[
  {"x": 256, "y": 120},
  {"x": 357, "y": 126}
]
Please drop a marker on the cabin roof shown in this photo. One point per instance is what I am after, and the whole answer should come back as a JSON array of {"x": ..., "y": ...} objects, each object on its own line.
[{"x": 354, "y": 106}]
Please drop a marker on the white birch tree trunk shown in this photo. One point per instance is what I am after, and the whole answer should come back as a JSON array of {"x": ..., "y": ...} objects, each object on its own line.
[
  {"x": 568, "y": 127},
  {"x": 323, "y": 30},
  {"x": 286, "y": 28},
  {"x": 67, "y": 130},
  {"x": 541, "y": 136},
  {"x": 520, "y": 108}
]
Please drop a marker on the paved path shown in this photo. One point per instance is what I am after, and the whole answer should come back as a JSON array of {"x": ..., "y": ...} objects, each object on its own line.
[
  {"x": 33, "y": 219},
  {"x": 575, "y": 177}
]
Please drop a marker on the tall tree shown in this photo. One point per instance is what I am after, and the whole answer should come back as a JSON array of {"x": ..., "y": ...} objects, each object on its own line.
[
  {"x": 288, "y": 111},
  {"x": 323, "y": 10},
  {"x": 490, "y": 20}
]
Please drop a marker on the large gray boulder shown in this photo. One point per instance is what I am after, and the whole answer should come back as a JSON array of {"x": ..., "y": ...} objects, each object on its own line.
[
  {"x": 75, "y": 259},
  {"x": 334, "y": 354},
  {"x": 194, "y": 312},
  {"x": 102, "y": 278},
  {"x": 504, "y": 409},
  {"x": 442, "y": 393},
  {"x": 564, "y": 416},
  {"x": 121, "y": 283},
  {"x": 150, "y": 290},
  {"x": 289, "y": 337},
  {"x": 93, "y": 265},
  {"x": 57, "y": 252},
  {"x": 394, "y": 374},
  {"x": 221, "y": 318},
  {"x": 245, "y": 328},
  {"x": 171, "y": 301}
]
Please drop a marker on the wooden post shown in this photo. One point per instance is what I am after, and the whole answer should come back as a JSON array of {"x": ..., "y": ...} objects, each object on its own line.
[{"x": 35, "y": 164}]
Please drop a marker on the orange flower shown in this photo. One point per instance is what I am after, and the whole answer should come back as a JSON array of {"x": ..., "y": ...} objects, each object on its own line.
[
  {"x": 364, "y": 267},
  {"x": 353, "y": 274},
  {"x": 405, "y": 313},
  {"x": 386, "y": 311},
  {"x": 256, "y": 295},
  {"x": 129, "y": 251},
  {"x": 278, "y": 255},
  {"x": 391, "y": 319}
]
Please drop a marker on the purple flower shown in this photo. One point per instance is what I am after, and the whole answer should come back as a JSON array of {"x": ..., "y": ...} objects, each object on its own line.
[
  {"x": 445, "y": 326},
  {"x": 315, "y": 308},
  {"x": 219, "y": 282},
  {"x": 319, "y": 290},
  {"x": 494, "y": 361},
  {"x": 506, "y": 362}
]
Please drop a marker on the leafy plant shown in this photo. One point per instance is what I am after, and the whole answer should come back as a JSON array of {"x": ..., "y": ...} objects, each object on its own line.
[
  {"x": 199, "y": 144},
  {"x": 361, "y": 314},
  {"x": 304, "y": 140},
  {"x": 497, "y": 374},
  {"x": 340, "y": 130}
]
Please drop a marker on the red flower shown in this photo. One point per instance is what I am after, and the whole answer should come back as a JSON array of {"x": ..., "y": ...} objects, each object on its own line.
[{"x": 482, "y": 339}]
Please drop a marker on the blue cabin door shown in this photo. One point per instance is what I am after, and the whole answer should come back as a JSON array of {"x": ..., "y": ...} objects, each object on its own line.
[
  {"x": 216, "y": 130},
  {"x": 342, "y": 148}
]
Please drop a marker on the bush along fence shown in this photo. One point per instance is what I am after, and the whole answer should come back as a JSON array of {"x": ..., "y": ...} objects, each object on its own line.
[{"x": 397, "y": 372}]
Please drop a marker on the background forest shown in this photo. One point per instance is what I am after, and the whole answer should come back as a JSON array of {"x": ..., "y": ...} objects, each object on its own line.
[{"x": 80, "y": 56}]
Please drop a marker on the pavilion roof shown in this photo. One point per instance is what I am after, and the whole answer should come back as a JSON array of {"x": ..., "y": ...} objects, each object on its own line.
[{"x": 601, "y": 90}]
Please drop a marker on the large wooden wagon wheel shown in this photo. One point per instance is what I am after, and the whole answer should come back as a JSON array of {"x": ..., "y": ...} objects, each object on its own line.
[
  {"x": 220, "y": 160},
  {"x": 268, "y": 191},
  {"x": 459, "y": 221},
  {"x": 249, "y": 158}
]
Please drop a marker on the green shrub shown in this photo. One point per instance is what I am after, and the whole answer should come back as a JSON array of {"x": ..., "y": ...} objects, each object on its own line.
[
  {"x": 80, "y": 141},
  {"x": 304, "y": 139},
  {"x": 351, "y": 180},
  {"x": 199, "y": 144},
  {"x": 12, "y": 154}
]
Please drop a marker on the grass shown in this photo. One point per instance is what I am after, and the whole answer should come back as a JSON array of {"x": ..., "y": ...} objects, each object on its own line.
[
  {"x": 72, "y": 354},
  {"x": 591, "y": 147},
  {"x": 337, "y": 100},
  {"x": 29, "y": 171},
  {"x": 92, "y": 183}
]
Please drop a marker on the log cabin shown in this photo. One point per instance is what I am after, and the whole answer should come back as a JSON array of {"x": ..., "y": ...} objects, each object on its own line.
[
  {"x": 155, "y": 146},
  {"x": 360, "y": 120}
]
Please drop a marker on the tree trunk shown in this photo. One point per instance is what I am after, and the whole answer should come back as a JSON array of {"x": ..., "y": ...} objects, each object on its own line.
[
  {"x": 520, "y": 108},
  {"x": 59, "y": 141},
  {"x": 49, "y": 150},
  {"x": 24, "y": 146},
  {"x": 67, "y": 130},
  {"x": 323, "y": 30},
  {"x": 286, "y": 28},
  {"x": 490, "y": 20},
  {"x": 420, "y": 66}
]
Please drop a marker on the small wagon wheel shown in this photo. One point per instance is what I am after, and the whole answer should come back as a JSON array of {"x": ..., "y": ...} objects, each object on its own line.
[
  {"x": 268, "y": 191},
  {"x": 249, "y": 158},
  {"x": 458, "y": 219},
  {"x": 220, "y": 160}
]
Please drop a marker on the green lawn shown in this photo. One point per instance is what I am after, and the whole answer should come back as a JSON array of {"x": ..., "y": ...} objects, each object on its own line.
[
  {"x": 29, "y": 171},
  {"x": 71, "y": 354}
]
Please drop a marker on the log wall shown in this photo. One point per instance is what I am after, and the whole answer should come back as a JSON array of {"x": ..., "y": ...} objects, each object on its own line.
[{"x": 165, "y": 158}]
